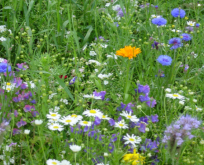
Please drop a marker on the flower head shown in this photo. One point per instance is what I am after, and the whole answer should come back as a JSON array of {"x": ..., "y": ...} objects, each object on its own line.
[
  {"x": 133, "y": 140},
  {"x": 164, "y": 60},
  {"x": 4, "y": 67},
  {"x": 134, "y": 158},
  {"x": 178, "y": 13},
  {"x": 129, "y": 116},
  {"x": 93, "y": 112},
  {"x": 75, "y": 148},
  {"x": 55, "y": 126},
  {"x": 121, "y": 124},
  {"x": 191, "y": 23},
  {"x": 176, "y": 43},
  {"x": 52, "y": 162},
  {"x": 186, "y": 37},
  {"x": 159, "y": 21},
  {"x": 128, "y": 51}
]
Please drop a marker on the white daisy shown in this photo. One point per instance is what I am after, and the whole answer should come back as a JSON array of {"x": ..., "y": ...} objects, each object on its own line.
[
  {"x": 93, "y": 112},
  {"x": 175, "y": 96},
  {"x": 53, "y": 115},
  {"x": 190, "y": 23},
  {"x": 26, "y": 131},
  {"x": 132, "y": 139},
  {"x": 85, "y": 123},
  {"x": 76, "y": 117},
  {"x": 68, "y": 120},
  {"x": 198, "y": 109},
  {"x": 129, "y": 115},
  {"x": 121, "y": 124},
  {"x": 65, "y": 162},
  {"x": 30, "y": 83},
  {"x": 52, "y": 162},
  {"x": 55, "y": 126},
  {"x": 102, "y": 76},
  {"x": 105, "y": 82},
  {"x": 8, "y": 86},
  {"x": 95, "y": 62},
  {"x": 2, "y": 28},
  {"x": 105, "y": 117},
  {"x": 107, "y": 4},
  {"x": 75, "y": 148}
]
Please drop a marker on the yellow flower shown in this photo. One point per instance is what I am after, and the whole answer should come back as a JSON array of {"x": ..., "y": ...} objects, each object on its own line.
[
  {"x": 134, "y": 158},
  {"x": 128, "y": 51}
]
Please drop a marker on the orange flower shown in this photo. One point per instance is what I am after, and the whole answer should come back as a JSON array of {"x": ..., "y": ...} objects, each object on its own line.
[{"x": 128, "y": 51}]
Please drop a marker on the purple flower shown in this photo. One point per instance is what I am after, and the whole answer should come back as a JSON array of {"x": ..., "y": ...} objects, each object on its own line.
[
  {"x": 164, "y": 60},
  {"x": 144, "y": 119},
  {"x": 22, "y": 66},
  {"x": 21, "y": 123},
  {"x": 186, "y": 37},
  {"x": 144, "y": 98},
  {"x": 16, "y": 131},
  {"x": 12, "y": 144},
  {"x": 97, "y": 121},
  {"x": 155, "y": 45},
  {"x": 23, "y": 86},
  {"x": 72, "y": 81},
  {"x": 33, "y": 101},
  {"x": 34, "y": 113},
  {"x": 176, "y": 43},
  {"x": 4, "y": 125},
  {"x": 141, "y": 126},
  {"x": 190, "y": 29},
  {"x": 111, "y": 147},
  {"x": 159, "y": 21},
  {"x": 4, "y": 67},
  {"x": 112, "y": 122},
  {"x": 27, "y": 108},
  {"x": 17, "y": 81},
  {"x": 143, "y": 89},
  {"x": 116, "y": 24},
  {"x": 120, "y": 12},
  {"x": 154, "y": 118},
  {"x": 16, "y": 113},
  {"x": 178, "y": 13},
  {"x": 156, "y": 7},
  {"x": 100, "y": 94}
]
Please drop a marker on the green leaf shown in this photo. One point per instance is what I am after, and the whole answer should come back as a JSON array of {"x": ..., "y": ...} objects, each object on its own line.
[{"x": 98, "y": 84}]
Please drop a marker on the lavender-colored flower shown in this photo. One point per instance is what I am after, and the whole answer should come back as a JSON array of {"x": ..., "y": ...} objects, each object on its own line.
[
  {"x": 141, "y": 126},
  {"x": 16, "y": 113},
  {"x": 144, "y": 98},
  {"x": 100, "y": 94},
  {"x": 12, "y": 144},
  {"x": 164, "y": 60},
  {"x": 178, "y": 13},
  {"x": 186, "y": 68},
  {"x": 22, "y": 66},
  {"x": 176, "y": 43},
  {"x": 72, "y": 81},
  {"x": 21, "y": 123},
  {"x": 16, "y": 131},
  {"x": 111, "y": 147},
  {"x": 177, "y": 132},
  {"x": 112, "y": 122},
  {"x": 113, "y": 138},
  {"x": 197, "y": 25},
  {"x": 100, "y": 38},
  {"x": 159, "y": 21},
  {"x": 116, "y": 24},
  {"x": 186, "y": 37},
  {"x": 23, "y": 86},
  {"x": 151, "y": 103},
  {"x": 33, "y": 101},
  {"x": 4, "y": 67},
  {"x": 156, "y": 6},
  {"x": 144, "y": 119},
  {"x": 27, "y": 108},
  {"x": 97, "y": 121},
  {"x": 3, "y": 126},
  {"x": 143, "y": 89},
  {"x": 120, "y": 12},
  {"x": 155, "y": 45},
  {"x": 17, "y": 81},
  {"x": 34, "y": 113},
  {"x": 190, "y": 29},
  {"x": 154, "y": 118},
  {"x": 126, "y": 107}
]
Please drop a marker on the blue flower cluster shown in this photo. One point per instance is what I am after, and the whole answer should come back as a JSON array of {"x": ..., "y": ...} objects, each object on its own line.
[
  {"x": 178, "y": 13},
  {"x": 164, "y": 60},
  {"x": 159, "y": 21},
  {"x": 4, "y": 67}
]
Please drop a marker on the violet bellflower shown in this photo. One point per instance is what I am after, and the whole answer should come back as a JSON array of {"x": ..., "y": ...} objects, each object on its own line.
[{"x": 100, "y": 94}]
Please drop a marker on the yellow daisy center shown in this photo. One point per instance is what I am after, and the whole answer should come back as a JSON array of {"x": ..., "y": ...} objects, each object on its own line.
[
  {"x": 131, "y": 139},
  {"x": 121, "y": 125},
  {"x": 54, "y": 163},
  {"x": 175, "y": 95},
  {"x": 74, "y": 116},
  {"x": 56, "y": 127},
  {"x": 53, "y": 115},
  {"x": 68, "y": 121},
  {"x": 92, "y": 111},
  {"x": 129, "y": 116},
  {"x": 8, "y": 83},
  {"x": 85, "y": 122},
  {"x": 8, "y": 89},
  {"x": 103, "y": 116}
]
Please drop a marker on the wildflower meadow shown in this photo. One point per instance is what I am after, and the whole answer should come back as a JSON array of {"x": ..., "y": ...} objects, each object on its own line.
[{"x": 101, "y": 82}]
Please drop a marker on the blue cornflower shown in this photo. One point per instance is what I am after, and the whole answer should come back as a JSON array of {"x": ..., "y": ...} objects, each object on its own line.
[
  {"x": 178, "y": 13},
  {"x": 176, "y": 43},
  {"x": 156, "y": 6},
  {"x": 159, "y": 21},
  {"x": 197, "y": 25},
  {"x": 164, "y": 60},
  {"x": 4, "y": 67},
  {"x": 186, "y": 37}
]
